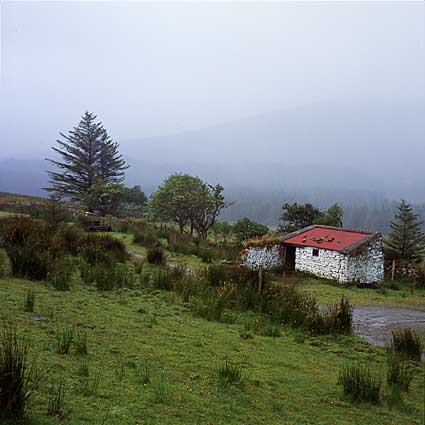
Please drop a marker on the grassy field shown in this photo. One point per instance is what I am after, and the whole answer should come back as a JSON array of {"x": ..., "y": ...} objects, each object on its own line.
[
  {"x": 289, "y": 379},
  {"x": 190, "y": 261},
  {"x": 328, "y": 292}
]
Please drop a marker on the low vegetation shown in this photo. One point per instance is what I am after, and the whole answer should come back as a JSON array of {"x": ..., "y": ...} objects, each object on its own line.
[
  {"x": 175, "y": 344},
  {"x": 407, "y": 343}
]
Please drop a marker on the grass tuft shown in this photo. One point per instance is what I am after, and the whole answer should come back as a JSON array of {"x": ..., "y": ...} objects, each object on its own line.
[
  {"x": 30, "y": 299},
  {"x": 18, "y": 376},
  {"x": 407, "y": 343},
  {"x": 359, "y": 384}
]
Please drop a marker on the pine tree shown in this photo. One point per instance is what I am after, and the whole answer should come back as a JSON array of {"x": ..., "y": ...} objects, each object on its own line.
[
  {"x": 89, "y": 158},
  {"x": 406, "y": 240}
]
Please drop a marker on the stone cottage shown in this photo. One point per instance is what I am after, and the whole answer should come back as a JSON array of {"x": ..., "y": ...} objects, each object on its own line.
[{"x": 334, "y": 253}]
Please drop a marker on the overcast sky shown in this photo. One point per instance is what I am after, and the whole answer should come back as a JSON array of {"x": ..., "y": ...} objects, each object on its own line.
[{"x": 156, "y": 69}]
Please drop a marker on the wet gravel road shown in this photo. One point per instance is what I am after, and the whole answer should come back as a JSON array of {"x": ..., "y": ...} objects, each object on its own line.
[{"x": 374, "y": 324}]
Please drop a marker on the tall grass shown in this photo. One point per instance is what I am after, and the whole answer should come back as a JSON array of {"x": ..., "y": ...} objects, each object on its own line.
[
  {"x": 230, "y": 373},
  {"x": 407, "y": 343},
  {"x": 18, "y": 375},
  {"x": 398, "y": 371},
  {"x": 359, "y": 383},
  {"x": 5, "y": 266},
  {"x": 80, "y": 342},
  {"x": 56, "y": 400},
  {"x": 30, "y": 299},
  {"x": 63, "y": 340},
  {"x": 61, "y": 273}
]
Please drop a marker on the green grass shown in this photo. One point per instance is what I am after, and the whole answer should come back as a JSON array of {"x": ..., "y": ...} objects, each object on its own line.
[
  {"x": 328, "y": 292},
  {"x": 190, "y": 261},
  {"x": 287, "y": 380}
]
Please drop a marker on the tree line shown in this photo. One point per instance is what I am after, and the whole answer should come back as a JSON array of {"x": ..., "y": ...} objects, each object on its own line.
[{"x": 91, "y": 172}]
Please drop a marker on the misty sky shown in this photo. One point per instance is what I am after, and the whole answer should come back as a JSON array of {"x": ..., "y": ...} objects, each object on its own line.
[{"x": 157, "y": 69}]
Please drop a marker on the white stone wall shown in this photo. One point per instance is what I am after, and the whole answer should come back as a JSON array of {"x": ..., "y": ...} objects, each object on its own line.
[
  {"x": 367, "y": 266},
  {"x": 328, "y": 264},
  {"x": 364, "y": 267},
  {"x": 267, "y": 258}
]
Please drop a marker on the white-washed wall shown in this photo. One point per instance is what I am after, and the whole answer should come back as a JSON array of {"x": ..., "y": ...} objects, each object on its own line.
[
  {"x": 368, "y": 266},
  {"x": 328, "y": 264},
  {"x": 267, "y": 258},
  {"x": 364, "y": 267}
]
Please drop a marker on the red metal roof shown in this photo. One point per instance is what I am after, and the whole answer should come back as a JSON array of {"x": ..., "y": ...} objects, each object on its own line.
[{"x": 326, "y": 238}]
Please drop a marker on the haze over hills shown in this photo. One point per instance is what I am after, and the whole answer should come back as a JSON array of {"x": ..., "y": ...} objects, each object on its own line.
[{"x": 361, "y": 149}]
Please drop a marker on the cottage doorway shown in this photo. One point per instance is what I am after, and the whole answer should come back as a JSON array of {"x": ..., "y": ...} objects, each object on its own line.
[{"x": 289, "y": 257}]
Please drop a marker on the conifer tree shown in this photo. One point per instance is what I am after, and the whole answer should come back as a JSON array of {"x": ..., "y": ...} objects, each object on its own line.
[
  {"x": 89, "y": 159},
  {"x": 406, "y": 240}
]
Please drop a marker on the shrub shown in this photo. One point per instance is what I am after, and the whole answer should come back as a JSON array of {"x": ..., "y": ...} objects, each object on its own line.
[
  {"x": 359, "y": 384},
  {"x": 211, "y": 304},
  {"x": 155, "y": 256},
  {"x": 5, "y": 266},
  {"x": 18, "y": 378},
  {"x": 161, "y": 278},
  {"x": 420, "y": 277},
  {"x": 339, "y": 317},
  {"x": 145, "y": 236},
  {"x": 63, "y": 340},
  {"x": 398, "y": 371},
  {"x": 61, "y": 272},
  {"x": 28, "y": 246},
  {"x": 289, "y": 305},
  {"x": 186, "y": 286},
  {"x": 407, "y": 343},
  {"x": 30, "y": 299},
  {"x": 68, "y": 238},
  {"x": 230, "y": 373},
  {"x": 56, "y": 400},
  {"x": 109, "y": 277},
  {"x": 103, "y": 249}
]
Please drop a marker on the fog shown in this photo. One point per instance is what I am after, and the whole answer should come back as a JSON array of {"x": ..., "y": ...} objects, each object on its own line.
[{"x": 279, "y": 96}]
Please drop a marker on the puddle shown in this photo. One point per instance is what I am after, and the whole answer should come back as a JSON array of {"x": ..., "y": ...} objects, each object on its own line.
[{"x": 374, "y": 324}]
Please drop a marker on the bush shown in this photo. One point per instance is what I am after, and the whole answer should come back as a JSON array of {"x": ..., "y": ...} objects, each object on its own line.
[
  {"x": 18, "y": 378},
  {"x": 61, "y": 273},
  {"x": 109, "y": 277},
  {"x": 145, "y": 236},
  {"x": 398, "y": 371},
  {"x": 28, "y": 246},
  {"x": 161, "y": 278},
  {"x": 359, "y": 384},
  {"x": 289, "y": 305},
  {"x": 211, "y": 304},
  {"x": 407, "y": 343},
  {"x": 68, "y": 239},
  {"x": 96, "y": 249},
  {"x": 339, "y": 317},
  {"x": 155, "y": 256},
  {"x": 5, "y": 266}
]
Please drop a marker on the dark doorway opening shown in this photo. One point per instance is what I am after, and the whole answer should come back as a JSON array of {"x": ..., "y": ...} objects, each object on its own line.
[{"x": 289, "y": 257}]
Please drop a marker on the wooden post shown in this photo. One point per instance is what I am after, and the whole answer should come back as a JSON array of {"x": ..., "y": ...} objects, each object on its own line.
[
  {"x": 284, "y": 262},
  {"x": 393, "y": 270},
  {"x": 260, "y": 280}
]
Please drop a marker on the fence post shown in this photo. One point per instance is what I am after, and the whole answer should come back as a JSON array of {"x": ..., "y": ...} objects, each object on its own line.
[{"x": 393, "y": 270}]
